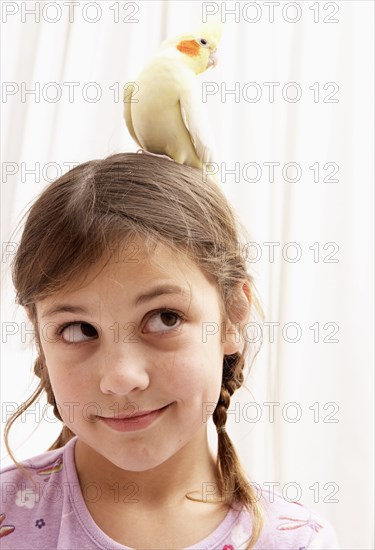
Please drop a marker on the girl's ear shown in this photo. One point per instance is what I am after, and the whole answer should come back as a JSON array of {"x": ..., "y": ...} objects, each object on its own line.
[{"x": 238, "y": 313}]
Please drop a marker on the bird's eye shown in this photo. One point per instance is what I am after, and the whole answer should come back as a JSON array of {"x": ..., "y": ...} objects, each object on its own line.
[{"x": 203, "y": 41}]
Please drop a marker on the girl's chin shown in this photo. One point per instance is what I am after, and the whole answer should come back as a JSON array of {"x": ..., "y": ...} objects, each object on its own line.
[{"x": 138, "y": 463}]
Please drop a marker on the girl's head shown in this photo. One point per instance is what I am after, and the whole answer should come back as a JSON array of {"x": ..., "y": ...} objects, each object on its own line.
[{"x": 152, "y": 254}]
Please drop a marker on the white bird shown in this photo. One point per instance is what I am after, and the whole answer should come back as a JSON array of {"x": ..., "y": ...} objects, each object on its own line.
[{"x": 163, "y": 107}]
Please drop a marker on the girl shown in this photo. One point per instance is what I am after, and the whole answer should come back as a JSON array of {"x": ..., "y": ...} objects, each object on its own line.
[{"x": 129, "y": 271}]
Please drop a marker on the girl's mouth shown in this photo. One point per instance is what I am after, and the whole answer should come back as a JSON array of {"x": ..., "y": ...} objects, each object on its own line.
[{"x": 139, "y": 421}]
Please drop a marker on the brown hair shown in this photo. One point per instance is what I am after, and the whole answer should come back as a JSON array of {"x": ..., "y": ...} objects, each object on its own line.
[{"x": 80, "y": 217}]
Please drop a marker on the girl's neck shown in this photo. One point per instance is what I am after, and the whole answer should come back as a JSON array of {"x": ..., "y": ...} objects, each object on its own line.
[{"x": 192, "y": 469}]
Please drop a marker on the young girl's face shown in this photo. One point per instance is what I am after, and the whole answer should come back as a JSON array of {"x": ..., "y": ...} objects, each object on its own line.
[{"x": 143, "y": 336}]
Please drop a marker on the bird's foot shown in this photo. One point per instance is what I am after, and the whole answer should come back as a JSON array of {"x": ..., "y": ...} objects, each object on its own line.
[{"x": 153, "y": 154}]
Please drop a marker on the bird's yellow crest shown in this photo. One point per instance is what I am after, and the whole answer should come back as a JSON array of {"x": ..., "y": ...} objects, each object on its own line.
[{"x": 211, "y": 30}]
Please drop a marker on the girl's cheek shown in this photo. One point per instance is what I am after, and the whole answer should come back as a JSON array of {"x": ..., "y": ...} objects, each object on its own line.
[
  {"x": 70, "y": 356},
  {"x": 73, "y": 393},
  {"x": 192, "y": 372},
  {"x": 68, "y": 378}
]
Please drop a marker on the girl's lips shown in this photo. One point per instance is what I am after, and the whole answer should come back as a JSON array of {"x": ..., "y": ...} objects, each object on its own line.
[{"x": 134, "y": 423}]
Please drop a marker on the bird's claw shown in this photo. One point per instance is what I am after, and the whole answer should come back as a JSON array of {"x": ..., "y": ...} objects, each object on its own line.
[{"x": 153, "y": 154}]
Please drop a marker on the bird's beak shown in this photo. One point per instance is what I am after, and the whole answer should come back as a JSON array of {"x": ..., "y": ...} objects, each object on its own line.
[{"x": 213, "y": 60}]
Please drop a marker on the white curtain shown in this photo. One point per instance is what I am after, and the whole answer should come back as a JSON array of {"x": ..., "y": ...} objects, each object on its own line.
[{"x": 305, "y": 423}]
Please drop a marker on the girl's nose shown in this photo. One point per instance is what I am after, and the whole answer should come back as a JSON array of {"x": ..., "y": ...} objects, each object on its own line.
[{"x": 124, "y": 369}]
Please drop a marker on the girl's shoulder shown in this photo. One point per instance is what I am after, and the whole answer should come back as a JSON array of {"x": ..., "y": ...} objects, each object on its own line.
[
  {"x": 33, "y": 464},
  {"x": 287, "y": 525},
  {"x": 31, "y": 495}
]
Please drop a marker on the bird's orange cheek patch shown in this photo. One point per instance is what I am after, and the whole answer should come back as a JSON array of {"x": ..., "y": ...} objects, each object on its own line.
[{"x": 188, "y": 47}]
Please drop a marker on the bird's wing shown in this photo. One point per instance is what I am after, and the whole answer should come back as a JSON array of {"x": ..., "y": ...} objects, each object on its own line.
[
  {"x": 195, "y": 120},
  {"x": 128, "y": 100}
]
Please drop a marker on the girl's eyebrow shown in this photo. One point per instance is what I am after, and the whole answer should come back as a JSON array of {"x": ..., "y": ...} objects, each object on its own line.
[
  {"x": 61, "y": 308},
  {"x": 157, "y": 291},
  {"x": 160, "y": 290}
]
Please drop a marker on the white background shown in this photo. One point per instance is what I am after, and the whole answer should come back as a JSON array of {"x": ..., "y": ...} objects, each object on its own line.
[{"x": 308, "y": 48}]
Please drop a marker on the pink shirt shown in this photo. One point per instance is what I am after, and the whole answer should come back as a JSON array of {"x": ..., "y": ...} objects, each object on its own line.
[{"x": 53, "y": 514}]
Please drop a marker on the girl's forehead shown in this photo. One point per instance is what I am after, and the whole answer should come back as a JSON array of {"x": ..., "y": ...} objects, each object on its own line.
[
  {"x": 135, "y": 258},
  {"x": 135, "y": 268},
  {"x": 137, "y": 251}
]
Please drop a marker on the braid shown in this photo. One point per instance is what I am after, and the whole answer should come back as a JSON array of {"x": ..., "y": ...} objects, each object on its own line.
[
  {"x": 227, "y": 458},
  {"x": 231, "y": 381},
  {"x": 232, "y": 482}
]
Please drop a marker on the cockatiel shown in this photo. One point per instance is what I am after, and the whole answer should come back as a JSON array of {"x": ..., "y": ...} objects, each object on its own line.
[{"x": 163, "y": 107}]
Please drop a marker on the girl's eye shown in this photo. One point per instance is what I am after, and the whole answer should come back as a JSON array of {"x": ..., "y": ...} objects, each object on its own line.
[
  {"x": 163, "y": 320},
  {"x": 73, "y": 332}
]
